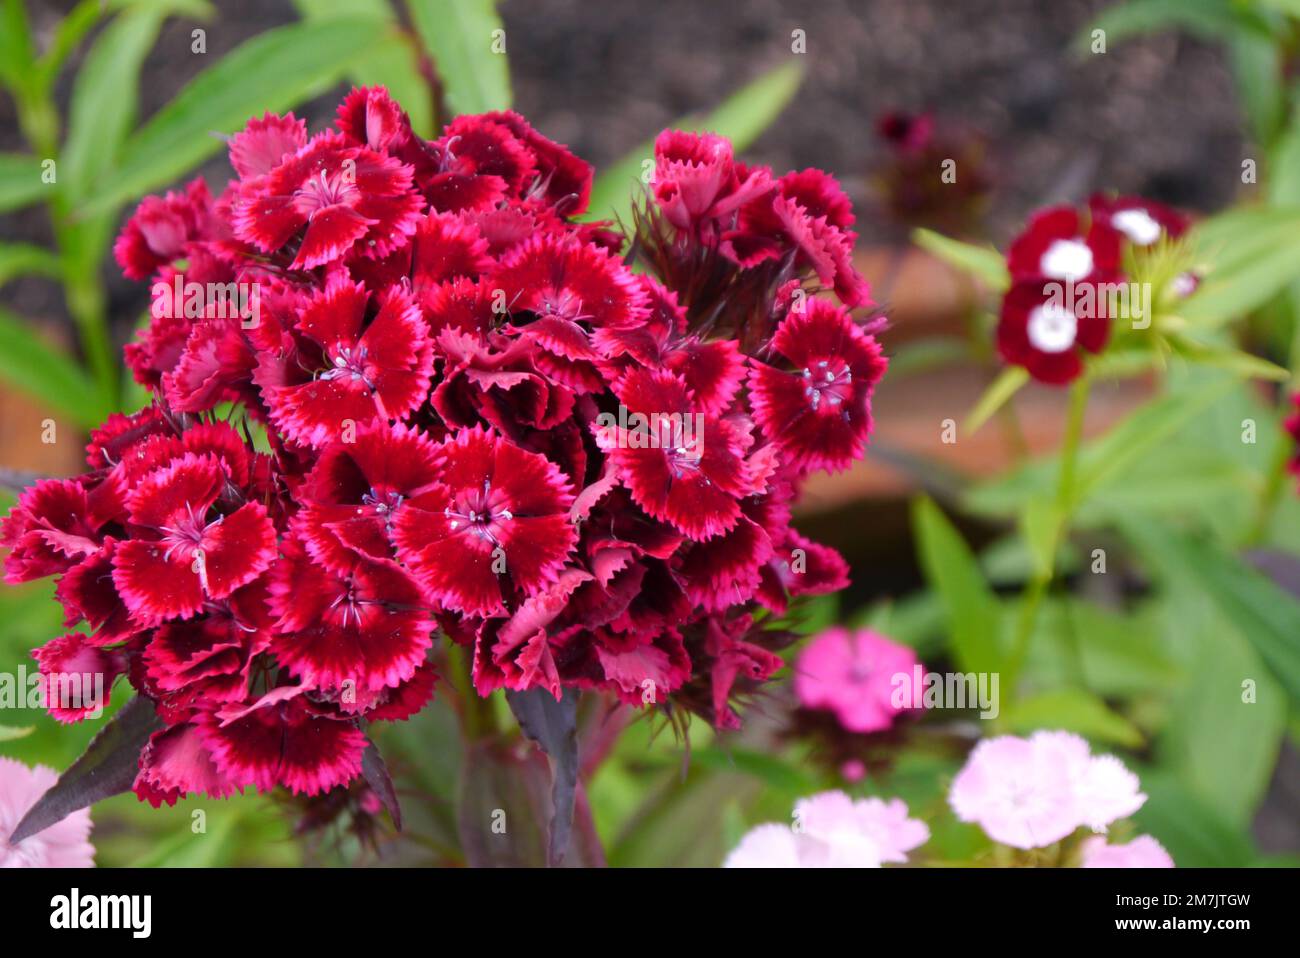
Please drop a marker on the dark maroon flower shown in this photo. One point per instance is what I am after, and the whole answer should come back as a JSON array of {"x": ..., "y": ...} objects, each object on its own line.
[
  {"x": 1142, "y": 222},
  {"x": 1055, "y": 246},
  {"x": 1046, "y": 332}
]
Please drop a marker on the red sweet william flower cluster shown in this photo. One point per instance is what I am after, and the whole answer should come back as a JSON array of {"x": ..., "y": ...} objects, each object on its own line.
[
  {"x": 1062, "y": 267},
  {"x": 399, "y": 390}
]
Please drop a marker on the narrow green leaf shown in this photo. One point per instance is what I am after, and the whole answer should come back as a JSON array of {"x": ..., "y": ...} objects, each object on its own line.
[
  {"x": 17, "y": 54},
  {"x": 985, "y": 264},
  {"x": 104, "y": 99},
  {"x": 742, "y": 117},
  {"x": 1072, "y": 710},
  {"x": 23, "y": 259},
  {"x": 950, "y": 568},
  {"x": 1255, "y": 273},
  {"x": 467, "y": 43},
  {"x": 273, "y": 71},
  {"x": 1207, "y": 19},
  {"x": 1233, "y": 360},
  {"x": 20, "y": 181},
  {"x": 32, "y": 365},
  {"x": 67, "y": 35},
  {"x": 999, "y": 392},
  {"x": 1266, "y": 615}
]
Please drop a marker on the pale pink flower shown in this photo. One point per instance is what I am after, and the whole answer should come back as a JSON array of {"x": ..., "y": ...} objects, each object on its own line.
[
  {"x": 1142, "y": 852},
  {"x": 63, "y": 845},
  {"x": 1033, "y": 792},
  {"x": 853, "y": 675},
  {"x": 832, "y": 830}
]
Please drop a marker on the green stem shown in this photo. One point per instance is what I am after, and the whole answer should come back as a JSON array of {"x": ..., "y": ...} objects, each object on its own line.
[{"x": 1066, "y": 500}]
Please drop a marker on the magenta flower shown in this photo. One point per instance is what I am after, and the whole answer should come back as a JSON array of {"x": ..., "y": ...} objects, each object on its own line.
[
  {"x": 62, "y": 845},
  {"x": 854, "y": 675}
]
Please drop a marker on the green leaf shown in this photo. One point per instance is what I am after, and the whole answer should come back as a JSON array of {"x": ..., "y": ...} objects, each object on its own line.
[
  {"x": 950, "y": 568},
  {"x": 1207, "y": 19},
  {"x": 104, "y": 99},
  {"x": 742, "y": 117},
  {"x": 984, "y": 263},
  {"x": 1137, "y": 435},
  {"x": 393, "y": 64},
  {"x": 922, "y": 355},
  {"x": 67, "y": 35},
  {"x": 20, "y": 181},
  {"x": 1072, "y": 710},
  {"x": 1266, "y": 615},
  {"x": 1195, "y": 835},
  {"x": 32, "y": 365},
  {"x": 999, "y": 392},
  {"x": 1246, "y": 274},
  {"x": 17, "y": 54},
  {"x": 9, "y": 733},
  {"x": 23, "y": 259},
  {"x": 273, "y": 71},
  {"x": 1233, "y": 360},
  {"x": 460, "y": 36},
  {"x": 1223, "y": 747}
]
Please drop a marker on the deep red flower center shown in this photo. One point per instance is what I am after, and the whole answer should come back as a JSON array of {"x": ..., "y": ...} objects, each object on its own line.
[
  {"x": 324, "y": 190},
  {"x": 481, "y": 512},
  {"x": 184, "y": 536},
  {"x": 561, "y": 303},
  {"x": 828, "y": 385},
  {"x": 349, "y": 363}
]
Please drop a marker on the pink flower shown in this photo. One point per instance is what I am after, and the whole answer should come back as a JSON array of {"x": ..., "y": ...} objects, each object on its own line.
[
  {"x": 64, "y": 845},
  {"x": 832, "y": 830},
  {"x": 1029, "y": 793},
  {"x": 852, "y": 675},
  {"x": 1142, "y": 852}
]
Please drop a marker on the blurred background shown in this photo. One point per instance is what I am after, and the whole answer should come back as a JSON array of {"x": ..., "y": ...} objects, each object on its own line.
[{"x": 1011, "y": 89}]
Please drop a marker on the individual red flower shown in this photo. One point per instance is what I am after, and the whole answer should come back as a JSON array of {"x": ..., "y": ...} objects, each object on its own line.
[
  {"x": 1055, "y": 245},
  {"x": 354, "y": 492},
  {"x": 348, "y": 198},
  {"x": 818, "y": 412},
  {"x": 188, "y": 551},
  {"x": 366, "y": 628},
  {"x": 263, "y": 144},
  {"x": 698, "y": 184},
  {"x": 557, "y": 276},
  {"x": 57, "y": 523},
  {"x": 681, "y": 466},
  {"x": 161, "y": 230},
  {"x": 177, "y": 762},
  {"x": 1047, "y": 332},
  {"x": 493, "y": 524},
  {"x": 349, "y": 371},
  {"x": 279, "y": 740},
  {"x": 76, "y": 676}
]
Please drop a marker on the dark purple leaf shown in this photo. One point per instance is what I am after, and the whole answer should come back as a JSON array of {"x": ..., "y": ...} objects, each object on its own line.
[
  {"x": 554, "y": 726},
  {"x": 107, "y": 768},
  {"x": 380, "y": 782}
]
